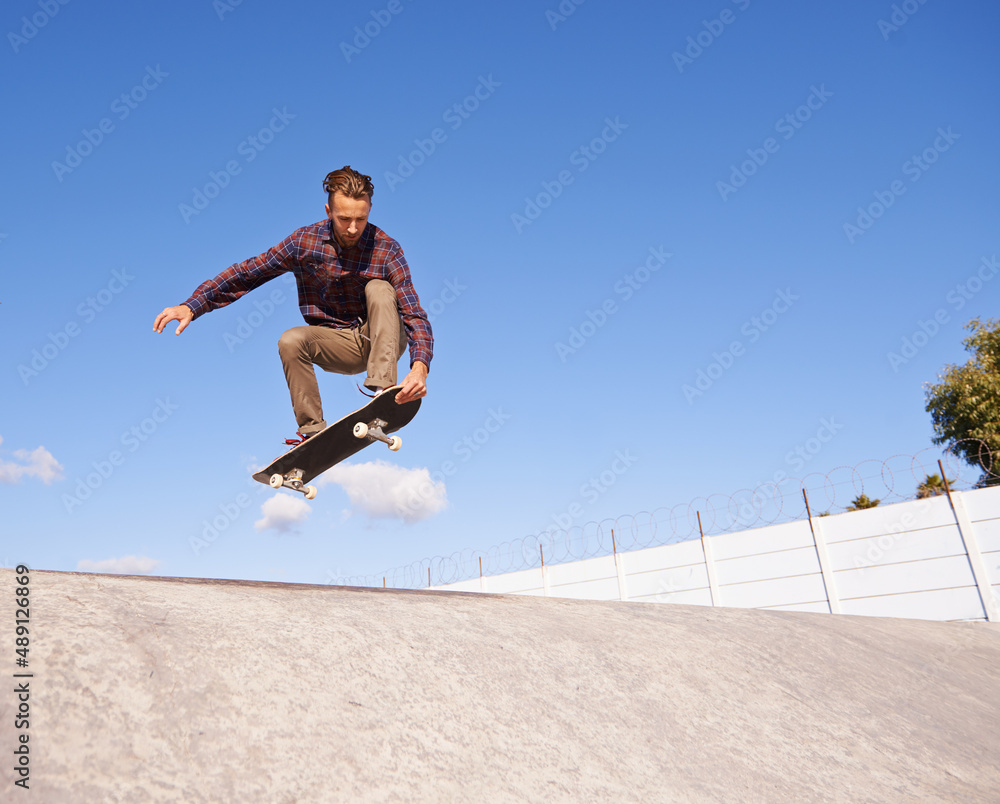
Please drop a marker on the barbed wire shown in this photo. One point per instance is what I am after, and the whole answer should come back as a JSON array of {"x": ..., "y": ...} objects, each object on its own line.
[{"x": 773, "y": 502}]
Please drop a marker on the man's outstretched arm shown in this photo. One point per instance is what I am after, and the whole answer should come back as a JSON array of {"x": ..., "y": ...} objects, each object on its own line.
[
  {"x": 237, "y": 280},
  {"x": 181, "y": 313}
]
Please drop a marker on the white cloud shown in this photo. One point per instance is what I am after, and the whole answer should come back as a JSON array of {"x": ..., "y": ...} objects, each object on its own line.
[
  {"x": 282, "y": 511},
  {"x": 386, "y": 491},
  {"x": 36, "y": 463},
  {"x": 127, "y": 565}
]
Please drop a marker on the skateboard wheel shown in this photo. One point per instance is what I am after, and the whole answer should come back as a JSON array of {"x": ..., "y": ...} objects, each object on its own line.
[
  {"x": 360, "y": 430},
  {"x": 310, "y": 492},
  {"x": 395, "y": 442},
  {"x": 276, "y": 481}
]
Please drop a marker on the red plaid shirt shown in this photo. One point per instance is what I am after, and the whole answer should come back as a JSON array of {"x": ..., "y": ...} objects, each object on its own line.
[{"x": 331, "y": 281}]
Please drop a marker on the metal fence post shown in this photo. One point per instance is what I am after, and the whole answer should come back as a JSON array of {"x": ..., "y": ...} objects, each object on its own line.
[
  {"x": 825, "y": 565},
  {"x": 706, "y": 549},
  {"x": 619, "y": 570},
  {"x": 972, "y": 551}
]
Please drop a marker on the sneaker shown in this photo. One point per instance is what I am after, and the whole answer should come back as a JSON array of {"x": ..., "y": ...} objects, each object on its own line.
[
  {"x": 294, "y": 442},
  {"x": 378, "y": 391}
]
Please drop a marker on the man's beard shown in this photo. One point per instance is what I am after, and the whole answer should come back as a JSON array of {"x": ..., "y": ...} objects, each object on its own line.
[{"x": 344, "y": 242}]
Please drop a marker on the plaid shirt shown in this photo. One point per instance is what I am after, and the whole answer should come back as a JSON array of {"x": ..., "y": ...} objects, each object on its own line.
[{"x": 331, "y": 281}]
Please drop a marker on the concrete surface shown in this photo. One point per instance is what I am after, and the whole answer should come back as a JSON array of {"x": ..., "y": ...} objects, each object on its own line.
[{"x": 150, "y": 690}]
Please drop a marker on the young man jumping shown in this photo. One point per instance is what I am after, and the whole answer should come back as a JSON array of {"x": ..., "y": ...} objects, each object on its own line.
[{"x": 355, "y": 294}]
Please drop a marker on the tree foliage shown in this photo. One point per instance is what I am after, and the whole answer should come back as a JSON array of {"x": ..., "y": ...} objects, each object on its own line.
[
  {"x": 965, "y": 404},
  {"x": 933, "y": 485},
  {"x": 861, "y": 502}
]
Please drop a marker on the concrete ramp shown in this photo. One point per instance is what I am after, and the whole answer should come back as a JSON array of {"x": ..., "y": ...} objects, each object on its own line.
[{"x": 174, "y": 690}]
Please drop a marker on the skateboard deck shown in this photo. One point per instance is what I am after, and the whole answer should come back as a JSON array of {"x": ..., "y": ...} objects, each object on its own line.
[{"x": 339, "y": 441}]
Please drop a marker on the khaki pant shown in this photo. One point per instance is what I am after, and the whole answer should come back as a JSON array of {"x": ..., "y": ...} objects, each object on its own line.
[{"x": 375, "y": 347}]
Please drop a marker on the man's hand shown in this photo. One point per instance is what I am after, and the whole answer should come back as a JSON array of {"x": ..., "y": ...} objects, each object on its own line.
[
  {"x": 181, "y": 313},
  {"x": 414, "y": 384}
]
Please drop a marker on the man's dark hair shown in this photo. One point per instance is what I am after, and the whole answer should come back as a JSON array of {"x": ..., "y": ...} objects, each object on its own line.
[{"x": 349, "y": 182}]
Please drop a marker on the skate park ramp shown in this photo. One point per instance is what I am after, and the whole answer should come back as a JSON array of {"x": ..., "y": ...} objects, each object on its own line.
[{"x": 178, "y": 690}]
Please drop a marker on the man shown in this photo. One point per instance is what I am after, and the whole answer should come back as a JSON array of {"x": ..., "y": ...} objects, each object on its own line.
[{"x": 355, "y": 294}]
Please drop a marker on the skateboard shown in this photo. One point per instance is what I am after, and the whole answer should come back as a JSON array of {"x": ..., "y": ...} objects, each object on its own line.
[{"x": 339, "y": 441}]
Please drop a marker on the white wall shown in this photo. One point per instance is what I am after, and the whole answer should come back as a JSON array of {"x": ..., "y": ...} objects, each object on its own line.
[{"x": 929, "y": 559}]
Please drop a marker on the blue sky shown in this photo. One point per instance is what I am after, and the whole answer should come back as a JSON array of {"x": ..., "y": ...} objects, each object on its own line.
[{"x": 664, "y": 244}]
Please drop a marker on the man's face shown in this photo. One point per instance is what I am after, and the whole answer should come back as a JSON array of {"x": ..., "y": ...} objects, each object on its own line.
[{"x": 349, "y": 217}]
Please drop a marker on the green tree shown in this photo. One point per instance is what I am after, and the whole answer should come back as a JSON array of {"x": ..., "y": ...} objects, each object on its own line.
[
  {"x": 861, "y": 502},
  {"x": 965, "y": 404},
  {"x": 932, "y": 486}
]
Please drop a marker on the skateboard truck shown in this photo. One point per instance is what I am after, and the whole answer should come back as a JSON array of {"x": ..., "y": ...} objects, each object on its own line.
[
  {"x": 292, "y": 480},
  {"x": 373, "y": 432}
]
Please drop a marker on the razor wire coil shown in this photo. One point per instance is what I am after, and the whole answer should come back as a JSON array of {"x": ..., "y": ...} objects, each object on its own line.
[{"x": 769, "y": 503}]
